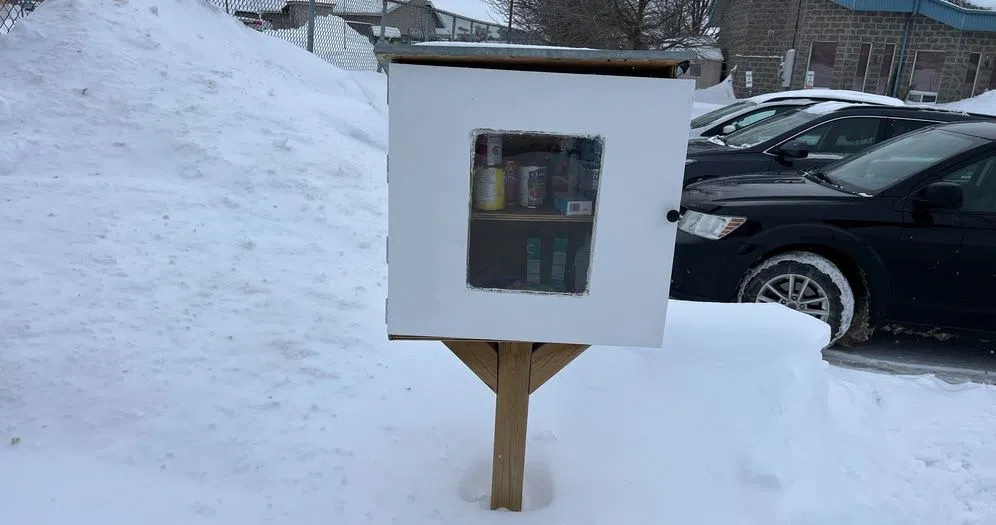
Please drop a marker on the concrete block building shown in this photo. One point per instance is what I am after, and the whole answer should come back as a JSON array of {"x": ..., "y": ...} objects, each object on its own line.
[{"x": 918, "y": 50}]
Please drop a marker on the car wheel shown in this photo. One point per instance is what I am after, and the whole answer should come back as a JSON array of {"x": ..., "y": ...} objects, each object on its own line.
[{"x": 805, "y": 282}]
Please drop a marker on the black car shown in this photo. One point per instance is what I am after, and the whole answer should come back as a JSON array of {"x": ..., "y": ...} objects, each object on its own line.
[
  {"x": 903, "y": 232},
  {"x": 807, "y": 138}
]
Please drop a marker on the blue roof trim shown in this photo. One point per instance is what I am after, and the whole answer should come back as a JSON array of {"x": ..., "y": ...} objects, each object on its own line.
[{"x": 946, "y": 13}]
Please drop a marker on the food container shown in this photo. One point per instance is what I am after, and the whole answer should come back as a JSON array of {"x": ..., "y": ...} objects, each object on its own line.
[
  {"x": 511, "y": 182},
  {"x": 489, "y": 188},
  {"x": 532, "y": 186}
]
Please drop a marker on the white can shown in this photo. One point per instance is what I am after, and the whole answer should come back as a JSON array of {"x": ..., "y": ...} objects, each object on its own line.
[{"x": 494, "y": 144}]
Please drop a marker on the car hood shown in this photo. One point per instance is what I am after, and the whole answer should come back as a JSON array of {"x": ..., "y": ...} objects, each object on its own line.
[{"x": 766, "y": 188}]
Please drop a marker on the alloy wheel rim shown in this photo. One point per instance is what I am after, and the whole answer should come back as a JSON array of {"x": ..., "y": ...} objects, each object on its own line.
[{"x": 797, "y": 292}]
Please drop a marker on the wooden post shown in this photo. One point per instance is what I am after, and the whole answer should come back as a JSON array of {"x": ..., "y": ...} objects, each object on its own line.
[
  {"x": 511, "y": 416},
  {"x": 512, "y": 370}
]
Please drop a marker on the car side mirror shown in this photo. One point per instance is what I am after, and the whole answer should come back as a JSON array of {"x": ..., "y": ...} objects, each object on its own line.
[
  {"x": 794, "y": 151},
  {"x": 729, "y": 128},
  {"x": 942, "y": 196}
]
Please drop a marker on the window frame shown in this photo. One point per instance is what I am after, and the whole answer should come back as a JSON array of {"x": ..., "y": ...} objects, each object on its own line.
[
  {"x": 940, "y": 72},
  {"x": 809, "y": 61},
  {"x": 868, "y": 61},
  {"x": 772, "y": 151}
]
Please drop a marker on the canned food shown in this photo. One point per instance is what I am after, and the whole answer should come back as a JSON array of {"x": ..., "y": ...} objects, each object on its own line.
[
  {"x": 488, "y": 149},
  {"x": 511, "y": 182},
  {"x": 532, "y": 186},
  {"x": 489, "y": 188}
]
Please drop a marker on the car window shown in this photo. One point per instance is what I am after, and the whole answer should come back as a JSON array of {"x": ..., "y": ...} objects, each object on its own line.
[
  {"x": 978, "y": 185},
  {"x": 904, "y": 126},
  {"x": 716, "y": 114},
  {"x": 770, "y": 128},
  {"x": 879, "y": 167},
  {"x": 752, "y": 118},
  {"x": 842, "y": 136}
]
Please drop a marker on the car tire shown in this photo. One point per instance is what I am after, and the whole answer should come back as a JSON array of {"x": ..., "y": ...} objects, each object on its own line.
[{"x": 818, "y": 288}]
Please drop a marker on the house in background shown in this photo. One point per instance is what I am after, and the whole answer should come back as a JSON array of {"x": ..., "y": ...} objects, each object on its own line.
[{"x": 919, "y": 50}]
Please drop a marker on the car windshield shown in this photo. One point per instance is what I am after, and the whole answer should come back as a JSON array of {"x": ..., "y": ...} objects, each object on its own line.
[
  {"x": 770, "y": 128},
  {"x": 716, "y": 114},
  {"x": 892, "y": 161}
]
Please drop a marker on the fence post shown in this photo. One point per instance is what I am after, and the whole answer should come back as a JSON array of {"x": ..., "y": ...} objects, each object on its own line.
[
  {"x": 383, "y": 18},
  {"x": 311, "y": 26}
]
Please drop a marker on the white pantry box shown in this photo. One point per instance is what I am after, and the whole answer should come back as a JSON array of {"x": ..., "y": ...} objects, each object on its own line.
[{"x": 533, "y": 192}]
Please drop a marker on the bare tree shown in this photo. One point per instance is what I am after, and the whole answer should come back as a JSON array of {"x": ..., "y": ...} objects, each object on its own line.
[{"x": 611, "y": 24}]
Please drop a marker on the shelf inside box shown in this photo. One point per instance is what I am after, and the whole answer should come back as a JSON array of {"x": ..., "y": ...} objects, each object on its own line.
[{"x": 528, "y": 215}]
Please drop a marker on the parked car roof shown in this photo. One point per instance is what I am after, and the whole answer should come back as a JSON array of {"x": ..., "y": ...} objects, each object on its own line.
[
  {"x": 829, "y": 94},
  {"x": 807, "y": 138}
]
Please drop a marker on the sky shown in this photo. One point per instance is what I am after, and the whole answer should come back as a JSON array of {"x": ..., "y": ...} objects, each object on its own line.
[{"x": 476, "y": 9}]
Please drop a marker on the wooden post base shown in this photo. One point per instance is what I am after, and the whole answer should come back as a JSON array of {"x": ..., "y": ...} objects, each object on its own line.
[{"x": 513, "y": 370}]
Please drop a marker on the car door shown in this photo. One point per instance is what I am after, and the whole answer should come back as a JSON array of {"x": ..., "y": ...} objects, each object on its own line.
[
  {"x": 949, "y": 273},
  {"x": 976, "y": 262},
  {"x": 835, "y": 139}
]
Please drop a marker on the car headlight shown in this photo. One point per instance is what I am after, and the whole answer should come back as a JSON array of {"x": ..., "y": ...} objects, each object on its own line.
[
  {"x": 690, "y": 161},
  {"x": 709, "y": 226}
]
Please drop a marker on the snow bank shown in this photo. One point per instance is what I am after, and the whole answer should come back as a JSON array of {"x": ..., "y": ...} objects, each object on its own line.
[
  {"x": 720, "y": 94},
  {"x": 984, "y": 104},
  {"x": 335, "y": 42},
  {"x": 191, "y": 323}
]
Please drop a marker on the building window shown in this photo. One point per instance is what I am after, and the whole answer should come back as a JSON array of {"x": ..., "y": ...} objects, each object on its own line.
[
  {"x": 822, "y": 56},
  {"x": 861, "y": 72},
  {"x": 695, "y": 71},
  {"x": 926, "y": 79},
  {"x": 883, "y": 74},
  {"x": 971, "y": 75}
]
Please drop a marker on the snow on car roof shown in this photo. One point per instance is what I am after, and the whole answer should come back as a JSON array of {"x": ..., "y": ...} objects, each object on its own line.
[
  {"x": 833, "y": 94},
  {"x": 827, "y": 107}
]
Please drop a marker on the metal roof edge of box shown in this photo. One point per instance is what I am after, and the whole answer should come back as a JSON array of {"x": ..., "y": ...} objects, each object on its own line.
[{"x": 550, "y": 56}]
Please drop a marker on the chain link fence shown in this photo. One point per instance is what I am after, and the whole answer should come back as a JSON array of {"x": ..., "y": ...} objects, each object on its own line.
[
  {"x": 12, "y": 10},
  {"x": 342, "y": 32}
]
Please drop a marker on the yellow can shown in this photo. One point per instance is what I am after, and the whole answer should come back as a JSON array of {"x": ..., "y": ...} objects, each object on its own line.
[{"x": 489, "y": 188}]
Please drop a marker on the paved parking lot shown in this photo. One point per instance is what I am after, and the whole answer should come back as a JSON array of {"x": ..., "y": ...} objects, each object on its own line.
[{"x": 953, "y": 360}]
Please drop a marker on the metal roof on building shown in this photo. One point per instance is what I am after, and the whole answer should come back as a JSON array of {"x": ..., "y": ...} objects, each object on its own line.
[{"x": 947, "y": 13}]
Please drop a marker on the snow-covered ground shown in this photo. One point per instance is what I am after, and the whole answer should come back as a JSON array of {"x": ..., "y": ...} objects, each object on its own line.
[{"x": 191, "y": 328}]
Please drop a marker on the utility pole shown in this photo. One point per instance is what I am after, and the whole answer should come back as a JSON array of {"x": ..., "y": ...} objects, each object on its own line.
[{"x": 511, "y": 5}]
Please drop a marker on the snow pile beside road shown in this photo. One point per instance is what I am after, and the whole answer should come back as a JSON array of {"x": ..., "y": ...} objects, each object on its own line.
[
  {"x": 721, "y": 94},
  {"x": 334, "y": 41},
  {"x": 191, "y": 328},
  {"x": 984, "y": 104}
]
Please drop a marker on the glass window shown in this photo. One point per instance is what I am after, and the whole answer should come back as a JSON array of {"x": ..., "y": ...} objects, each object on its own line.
[
  {"x": 971, "y": 75},
  {"x": 695, "y": 71},
  {"x": 903, "y": 126},
  {"x": 754, "y": 117},
  {"x": 978, "y": 185},
  {"x": 879, "y": 167},
  {"x": 842, "y": 136},
  {"x": 879, "y": 83},
  {"x": 927, "y": 68},
  {"x": 716, "y": 114},
  {"x": 533, "y": 205},
  {"x": 861, "y": 72},
  {"x": 769, "y": 129},
  {"x": 822, "y": 57}
]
